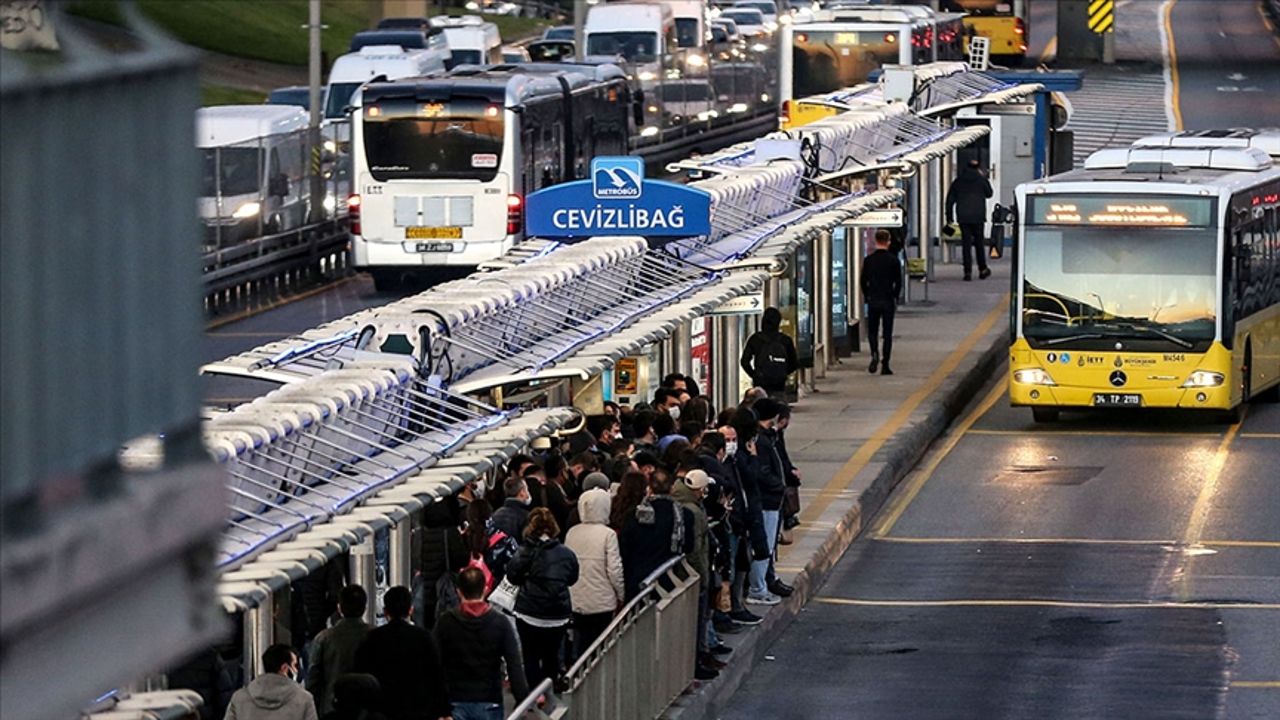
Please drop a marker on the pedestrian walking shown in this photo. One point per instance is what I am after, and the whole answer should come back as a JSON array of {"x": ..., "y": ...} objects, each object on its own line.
[
  {"x": 769, "y": 356},
  {"x": 478, "y": 640},
  {"x": 881, "y": 282},
  {"x": 543, "y": 570},
  {"x": 967, "y": 205},
  {"x": 404, "y": 659},
  {"x": 333, "y": 652},
  {"x": 599, "y": 590},
  {"x": 275, "y": 694}
]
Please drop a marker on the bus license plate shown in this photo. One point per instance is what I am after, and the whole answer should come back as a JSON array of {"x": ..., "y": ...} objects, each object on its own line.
[
  {"x": 434, "y": 247},
  {"x": 418, "y": 232},
  {"x": 1117, "y": 400}
]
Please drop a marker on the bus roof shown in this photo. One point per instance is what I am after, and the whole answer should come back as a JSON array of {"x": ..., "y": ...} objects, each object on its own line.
[
  {"x": 507, "y": 84},
  {"x": 232, "y": 124},
  {"x": 633, "y": 16}
]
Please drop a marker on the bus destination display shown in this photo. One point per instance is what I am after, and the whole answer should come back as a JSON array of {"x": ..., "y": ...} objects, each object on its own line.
[{"x": 1119, "y": 210}]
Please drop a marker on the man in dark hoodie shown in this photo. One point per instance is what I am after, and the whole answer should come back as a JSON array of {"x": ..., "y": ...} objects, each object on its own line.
[
  {"x": 657, "y": 531},
  {"x": 967, "y": 205},
  {"x": 769, "y": 356},
  {"x": 275, "y": 694},
  {"x": 477, "y": 640}
]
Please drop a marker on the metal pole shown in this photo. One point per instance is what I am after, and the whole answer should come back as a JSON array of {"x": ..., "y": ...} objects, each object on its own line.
[
  {"x": 258, "y": 627},
  {"x": 579, "y": 23},
  {"x": 401, "y": 570},
  {"x": 313, "y": 138},
  {"x": 364, "y": 572},
  {"x": 823, "y": 350},
  {"x": 1109, "y": 46}
]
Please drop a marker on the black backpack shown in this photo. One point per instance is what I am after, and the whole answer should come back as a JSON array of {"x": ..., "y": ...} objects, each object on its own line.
[{"x": 771, "y": 360}]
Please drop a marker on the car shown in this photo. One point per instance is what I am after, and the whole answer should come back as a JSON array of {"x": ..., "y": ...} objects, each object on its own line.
[
  {"x": 728, "y": 28},
  {"x": 750, "y": 21},
  {"x": 688, "y": 100},
  {"x": 551, "y": 50},
  {"x": 297, "y": 95},
  {"x": 767, "y": 8},
  {"x": 559, "y": 32},
  {"x": 514, "y": 54}
]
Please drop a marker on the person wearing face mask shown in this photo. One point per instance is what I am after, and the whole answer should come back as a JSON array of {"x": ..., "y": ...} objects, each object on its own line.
[
  {"x": 275, "y": 694},
  {"x": 514, "y": 513}
]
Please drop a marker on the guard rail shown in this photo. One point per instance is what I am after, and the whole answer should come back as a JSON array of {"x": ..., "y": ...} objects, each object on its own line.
[{"x": 273, "y": 265}]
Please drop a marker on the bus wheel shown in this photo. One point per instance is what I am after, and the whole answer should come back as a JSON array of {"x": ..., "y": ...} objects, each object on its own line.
[{"x": 1044, "y": 414}]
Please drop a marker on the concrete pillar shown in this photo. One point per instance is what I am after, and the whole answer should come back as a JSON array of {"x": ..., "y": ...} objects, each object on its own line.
[
  {"x": 259, "y": 634},
  {"x": 364, "y": 572},
  {"x": 682, "y": 362},
  {"x": 401, "y": 570}
]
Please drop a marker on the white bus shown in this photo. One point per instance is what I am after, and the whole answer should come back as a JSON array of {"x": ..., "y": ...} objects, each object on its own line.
[
  {"x": 442, "y": 165},
  {"x": 841, "y": 47}
]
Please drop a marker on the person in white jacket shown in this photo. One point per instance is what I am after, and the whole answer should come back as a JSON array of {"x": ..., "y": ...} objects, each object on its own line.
[{"x": 599, "y": 590}]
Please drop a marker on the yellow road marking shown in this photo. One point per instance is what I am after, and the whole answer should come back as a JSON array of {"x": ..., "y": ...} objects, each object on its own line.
[
  {"x": 884, "y": 525},
  {"x": 1096, "y": 433},
  {"x": 1175, "y": 100},
  {"x": 1265, "y": 684},
  {"x": 277, "y": 304},
  {"x": 845, "y": 475},
  {"x": 1266, "y": 544},
  {"x": 1021, "y": 602},
  {"x": 1213, "y": 473}
]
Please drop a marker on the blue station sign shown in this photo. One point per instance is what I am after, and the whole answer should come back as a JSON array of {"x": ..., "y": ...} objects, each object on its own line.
[{"x": 618, "y": 200}]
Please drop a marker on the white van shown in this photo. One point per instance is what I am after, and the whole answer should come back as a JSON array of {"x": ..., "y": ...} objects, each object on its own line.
[
  {"x": 390, "y": 61},
  {"x": 253, "y": 170},
  {"x": 471, "y": 40},
  {"x": 643, "y": 34}
]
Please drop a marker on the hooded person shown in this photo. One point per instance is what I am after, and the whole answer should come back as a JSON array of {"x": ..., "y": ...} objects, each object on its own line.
[
  {"x": 600, "y": 587},
  {"x": 967, "y": 204},
  {"x": 478, "y": 640},
  {"x": 769, "y": 357},
  {"x": 275, "y": 694}
]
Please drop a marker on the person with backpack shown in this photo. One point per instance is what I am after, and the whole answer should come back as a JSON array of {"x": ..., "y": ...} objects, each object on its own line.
[
  {"x": 544, "y": 570},
  {"x": 769, "y": 356}
]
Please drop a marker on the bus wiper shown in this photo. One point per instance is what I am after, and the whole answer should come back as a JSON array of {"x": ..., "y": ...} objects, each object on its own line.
[
  {"x": 1072, "y": 338},
  {"x": 1132, "y": 327}
]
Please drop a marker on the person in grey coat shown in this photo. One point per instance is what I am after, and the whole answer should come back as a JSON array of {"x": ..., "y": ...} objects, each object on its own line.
[
  {"x": 275, "y": 694},
  {"x": 333, "y": 652}
]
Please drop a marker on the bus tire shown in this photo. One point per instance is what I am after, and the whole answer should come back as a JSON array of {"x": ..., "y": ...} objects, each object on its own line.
[{"x": 1044, "y": 414}]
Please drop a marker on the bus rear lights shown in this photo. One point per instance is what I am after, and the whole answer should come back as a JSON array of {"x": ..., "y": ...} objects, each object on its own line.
[
  {"x": 515, "y": 214},
  {"x": 1204, "y": 379},
  {"x": 353, "y": 213},
  {"x": 1033, "y": 376}
]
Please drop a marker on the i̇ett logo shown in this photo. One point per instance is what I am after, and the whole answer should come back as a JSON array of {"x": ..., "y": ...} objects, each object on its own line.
[{"x": 615, "y": 178}]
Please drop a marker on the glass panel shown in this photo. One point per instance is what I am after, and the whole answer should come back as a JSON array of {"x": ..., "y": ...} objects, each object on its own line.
[
  {"x": 828, "y": 60},
  {"x": 239, "y": 170},
  {"x": 456, "y": 139},
  {"x": 634, "y": 46}
]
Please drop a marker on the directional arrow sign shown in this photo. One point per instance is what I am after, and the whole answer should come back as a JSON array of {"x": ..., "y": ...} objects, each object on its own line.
[{"x": 752, "y": 304}]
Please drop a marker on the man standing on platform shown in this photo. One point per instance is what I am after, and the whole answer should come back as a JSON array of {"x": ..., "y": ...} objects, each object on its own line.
[
  {"x": 967, "y": 204},
  {"x": 881, "y": 283}
]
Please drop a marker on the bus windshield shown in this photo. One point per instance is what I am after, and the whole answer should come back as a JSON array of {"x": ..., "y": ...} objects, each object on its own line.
[
  {"x": 456, "y": 139},
  {"x": 827, "y": 60},
  {"x": 1088, "y": 287},
  {"x": 641, "y": 47},
  {"x": 339, "y": 97},
  {"x": 231, "y": 170}
]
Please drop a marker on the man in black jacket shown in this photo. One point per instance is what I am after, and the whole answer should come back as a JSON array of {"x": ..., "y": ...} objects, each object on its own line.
[
  {"x": 769, "y": 356},
  {"x": 404, "y": 659},
  {"x": 881, "y": 282},
  {"x": 967, "y": 205},
  {"x": 652, "y": 535},
  {"x": 514, "y": 513},
  {"x": 333, "y": 652},
  {"x": 477, "y": 640},
  {"x": 770, "y": 476}
]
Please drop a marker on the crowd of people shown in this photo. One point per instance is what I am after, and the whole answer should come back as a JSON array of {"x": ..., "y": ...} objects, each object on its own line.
[{"x": 515, "y": 594}]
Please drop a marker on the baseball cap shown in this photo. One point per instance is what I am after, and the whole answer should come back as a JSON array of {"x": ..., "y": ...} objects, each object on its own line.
[{"x": 697, "y": 479}]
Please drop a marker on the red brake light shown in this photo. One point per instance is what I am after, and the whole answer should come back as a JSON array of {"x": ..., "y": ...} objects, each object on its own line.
[
  {"x": 1018, "y": 27},
  {"x": 353, "y": 213},
  {"x": 515, "y": 214}
]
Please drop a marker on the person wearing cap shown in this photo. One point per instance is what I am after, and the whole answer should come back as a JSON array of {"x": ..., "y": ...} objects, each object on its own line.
[
  {"x": 690, "y": 490},
  {"x": 599, "y": 590}
]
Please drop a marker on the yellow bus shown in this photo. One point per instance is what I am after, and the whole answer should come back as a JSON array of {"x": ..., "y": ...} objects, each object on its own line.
[
  {"x": 1003, "y": 22},
  {"x": 1151, "y": 278}
]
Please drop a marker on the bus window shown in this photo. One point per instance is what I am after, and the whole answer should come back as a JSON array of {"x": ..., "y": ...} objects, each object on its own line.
[
  {"x": 459, "y": 138},
  {"x": 827, "y": 60},
  {"x": 633, "y": 46}
]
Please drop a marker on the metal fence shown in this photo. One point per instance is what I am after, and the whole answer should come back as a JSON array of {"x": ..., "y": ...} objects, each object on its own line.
[{"x": 640, "y": 664}]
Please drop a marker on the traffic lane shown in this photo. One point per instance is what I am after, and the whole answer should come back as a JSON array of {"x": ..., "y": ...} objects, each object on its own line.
[
  {"x": 1030, "y": 661},
  {"x": 1228, "y": 63}
]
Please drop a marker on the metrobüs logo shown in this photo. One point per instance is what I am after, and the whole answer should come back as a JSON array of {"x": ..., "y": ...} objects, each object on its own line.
[{"x": 617, "y": 177}]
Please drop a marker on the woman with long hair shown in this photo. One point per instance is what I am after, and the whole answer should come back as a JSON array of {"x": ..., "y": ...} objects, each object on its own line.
[
  {"x": 543, "y": 570},
  {"x": 631, "y": 492},
  {"x": 486, "y": 543}
]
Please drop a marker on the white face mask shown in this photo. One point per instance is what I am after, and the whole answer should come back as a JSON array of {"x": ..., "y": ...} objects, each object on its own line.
[
  {"x": 730, "y": 447},
  {"x": 674, "y": 412}
]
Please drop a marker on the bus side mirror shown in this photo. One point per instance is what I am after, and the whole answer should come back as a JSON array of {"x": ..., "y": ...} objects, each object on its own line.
[{"x": 637, "y": 108}]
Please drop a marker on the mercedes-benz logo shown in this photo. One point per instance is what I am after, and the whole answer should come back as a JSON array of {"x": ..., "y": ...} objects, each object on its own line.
[{"x": 1118, "y": 378}]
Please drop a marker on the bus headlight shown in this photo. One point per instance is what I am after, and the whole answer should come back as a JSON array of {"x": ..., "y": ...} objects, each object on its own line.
[
  {"x": 1033, "y": 376},
  {"x": 1204, "y": 378},
  {"x": 648, "y": 76},
  {"x": 247, "y": 210}
]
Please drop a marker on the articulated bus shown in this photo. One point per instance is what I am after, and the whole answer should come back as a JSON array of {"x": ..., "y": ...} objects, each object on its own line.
[
  {"x": 442, "y": 165},
  {"x": 842, "y": 46},
  {"x": 1151, "y": 278}
]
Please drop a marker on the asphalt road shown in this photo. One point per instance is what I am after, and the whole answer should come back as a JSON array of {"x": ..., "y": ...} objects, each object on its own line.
[
  {"x": 1110, "y": 566},
  {"x": 1228, "y": 64}
]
